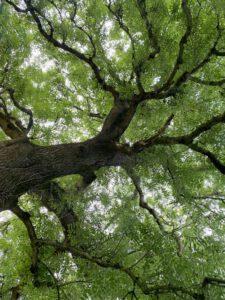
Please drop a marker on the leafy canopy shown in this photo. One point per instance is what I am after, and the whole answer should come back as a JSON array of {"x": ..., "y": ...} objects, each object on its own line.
[{"x": 152, "y": 228}]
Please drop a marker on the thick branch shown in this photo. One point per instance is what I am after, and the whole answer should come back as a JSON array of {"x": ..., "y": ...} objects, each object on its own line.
[
  {"x": 9, "y": 127},
  {"x": 117, "y": 121},
  {"x": 15, "y": 292},
  {"x": 184, "y": 139},
  {"x": 187, "y": 140},
  {"x": 25, "y": 165}
]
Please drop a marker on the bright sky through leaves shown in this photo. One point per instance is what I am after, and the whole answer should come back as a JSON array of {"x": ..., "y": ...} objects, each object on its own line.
[{"x": 112, "y": 152}]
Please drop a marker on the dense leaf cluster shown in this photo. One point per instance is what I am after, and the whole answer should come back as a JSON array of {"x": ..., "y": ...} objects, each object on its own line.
[{"x": 146, "y": 78}]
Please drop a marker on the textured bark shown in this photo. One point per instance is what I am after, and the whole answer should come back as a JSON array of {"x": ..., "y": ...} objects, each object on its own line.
[
  {"x": 24, "y": 165},
  {"x": 118, "y": 120},
  {"x": 9, "y": 127}
]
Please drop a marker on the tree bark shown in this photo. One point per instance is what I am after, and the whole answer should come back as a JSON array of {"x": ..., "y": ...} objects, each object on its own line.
[{"x": 24, "y": 165}]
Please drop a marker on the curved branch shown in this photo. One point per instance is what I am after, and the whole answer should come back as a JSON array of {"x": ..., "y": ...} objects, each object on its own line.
[
  {"x": 9, "y": 128},
  {"x": 22, "y": 108},
  {"x": 136, "y": 181},
  {"x": 212, "y": 157},
  {"x": 183, "y": 139},
  {"x": 25, "y": 218},
  {"x": 186, "y": 140}
]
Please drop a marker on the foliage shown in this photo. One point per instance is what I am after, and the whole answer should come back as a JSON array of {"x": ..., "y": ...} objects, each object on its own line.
[{"x": 118, "y": 249}]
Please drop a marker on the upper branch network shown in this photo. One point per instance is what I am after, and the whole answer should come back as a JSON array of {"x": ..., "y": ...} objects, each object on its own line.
[
  {"x": 49, "y": 34},
  {"x": 123, "y": 110}
]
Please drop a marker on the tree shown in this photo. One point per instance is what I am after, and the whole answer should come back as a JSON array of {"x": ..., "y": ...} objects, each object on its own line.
[{"x": 112, "y": 149}]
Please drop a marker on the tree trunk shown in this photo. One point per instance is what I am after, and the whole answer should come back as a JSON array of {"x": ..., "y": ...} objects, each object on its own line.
[{"x": 24, "y": 165}]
